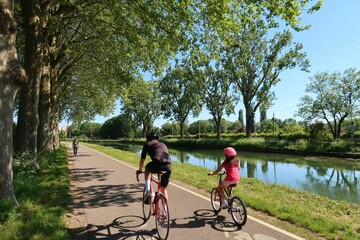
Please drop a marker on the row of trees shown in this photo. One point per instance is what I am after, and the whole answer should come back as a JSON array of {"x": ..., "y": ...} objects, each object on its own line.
[
  {"x": 332, "y": 98},
  {"x": 71, "y": 59},
  {"x": 223, "y": 68},
  {"x": 122, "y": 127}
]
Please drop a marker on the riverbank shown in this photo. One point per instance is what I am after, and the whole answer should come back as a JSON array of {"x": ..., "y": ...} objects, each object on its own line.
[
  {"x": 339, "y": 149},
  {"x": 300, "y": 212}
]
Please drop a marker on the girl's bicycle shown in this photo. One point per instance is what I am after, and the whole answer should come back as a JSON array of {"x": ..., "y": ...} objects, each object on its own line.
[
  {"x": 157, "y": 206},
  {"x": 236, "y": 207}
]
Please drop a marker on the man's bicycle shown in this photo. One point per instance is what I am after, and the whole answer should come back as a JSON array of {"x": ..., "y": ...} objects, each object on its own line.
[
  {"x": 157, "y": 206},
  {"x": 236, "y": 207}
]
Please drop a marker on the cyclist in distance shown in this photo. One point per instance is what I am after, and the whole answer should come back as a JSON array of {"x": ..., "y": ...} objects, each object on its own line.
[
  {"x": 232, "y": 167},
  {"x": 160, "y": 161},
  {"x": 75, "y": 145}
]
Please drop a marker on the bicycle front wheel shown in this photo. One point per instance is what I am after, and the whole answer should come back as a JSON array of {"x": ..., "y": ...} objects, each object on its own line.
[
  {"x": 238, "y": 211},
  {"x": 146, "y": 207},
  {"x": 162, "y": 217},
  {"x": 215, "y": 200}
]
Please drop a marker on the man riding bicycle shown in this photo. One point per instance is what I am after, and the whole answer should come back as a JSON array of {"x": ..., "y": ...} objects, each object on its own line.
[{"x": 160, "y": 161}]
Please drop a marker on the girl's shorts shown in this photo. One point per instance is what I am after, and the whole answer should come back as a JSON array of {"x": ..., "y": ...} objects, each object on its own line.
[{"x": 228, "y": 183}]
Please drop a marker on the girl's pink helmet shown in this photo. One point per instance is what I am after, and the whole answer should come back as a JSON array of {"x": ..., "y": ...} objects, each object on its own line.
[{"x": 229, "y": 151}]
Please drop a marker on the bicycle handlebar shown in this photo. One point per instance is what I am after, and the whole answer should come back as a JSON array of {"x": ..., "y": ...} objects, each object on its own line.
[
  {"x": 137, "y": 175},
  {"x": 219, "y": 174}
]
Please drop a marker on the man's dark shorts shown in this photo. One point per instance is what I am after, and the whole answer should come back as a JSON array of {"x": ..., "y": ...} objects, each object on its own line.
[{"x": 156, "y": 167}]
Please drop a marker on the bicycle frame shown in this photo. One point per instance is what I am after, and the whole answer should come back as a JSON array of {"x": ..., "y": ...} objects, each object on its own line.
[
  {"x": 228, "y": 189},
  {"x": 159, "y": 189},
  {"x": 236, "y": 207},
  {"x": 158, "y": 207}
]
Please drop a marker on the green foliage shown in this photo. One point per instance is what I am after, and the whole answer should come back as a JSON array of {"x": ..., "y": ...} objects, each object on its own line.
[
  {"x": 62, "y": 135},
  {"x": 201, "y": 126},
  {"x": 90, "y": 129},
  {"x": 170, "y": 129},
  {"x": 121, "y": 126},
  {"x": 182, "y": 94},
  {"x": 142, "y": 101},
  {"x": 24, "y": 164},
  {"x": 216, "y": 89},
  {"x": 113, "y": 44},
  {"x": 318, "y": 132},
  {"x": 332, "y": 98},
  {"x": 6, "y": 207},
  {"x": 43, "y": 199}
]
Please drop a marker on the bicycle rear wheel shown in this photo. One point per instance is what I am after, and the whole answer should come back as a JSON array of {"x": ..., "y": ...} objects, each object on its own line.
[
  {"x": 162, "y": 217},
  {"x": 146, "y": 207},
  {"x": 215, "y": 200},
  {"x": 238, "y": 211}
]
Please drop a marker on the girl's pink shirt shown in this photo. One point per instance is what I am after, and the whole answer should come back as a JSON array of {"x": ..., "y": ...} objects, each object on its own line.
[{"x": 232, "y": 171}]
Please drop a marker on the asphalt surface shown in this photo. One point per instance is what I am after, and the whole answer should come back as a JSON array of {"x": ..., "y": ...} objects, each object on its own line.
[{"x": 108, "y": 199}]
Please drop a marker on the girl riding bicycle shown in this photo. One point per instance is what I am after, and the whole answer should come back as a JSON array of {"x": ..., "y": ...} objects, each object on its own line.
[{"x": 232, "y": 167}]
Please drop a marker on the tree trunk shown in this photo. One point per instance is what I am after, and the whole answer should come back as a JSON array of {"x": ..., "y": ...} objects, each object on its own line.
[
  {"x": 55, "y": 106},
  {"x": 12, "y": 77},
  {"x": 28, "y": 118},
  {"x": 182, "y": 128},
  {"x": 54, "y": 131},
  {"x": 218, "y": 128},
  {"x": 45, "y": 138},
  {"x": 145, "y": 130},
  {"x": 248, "y": 121},
  {"x": 44, "y": 129}
]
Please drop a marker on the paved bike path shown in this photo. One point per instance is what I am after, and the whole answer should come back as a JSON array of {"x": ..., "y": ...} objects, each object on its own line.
[{"x": 109, "y": 197}]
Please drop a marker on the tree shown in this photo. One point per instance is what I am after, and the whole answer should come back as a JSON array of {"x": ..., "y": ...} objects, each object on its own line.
[
  {"x": 334, "y": 97},
  {"x": 216, "y": 94},
  {"x": 12, "y": 77},
  {"x": 200, "y": 127},
  {"x": 28, "y": 118},
  {"x": 256, "y": 61},
  {"x": 241, "y": 117},
  {"x": 254, "y": 57},
  {"x": 142, "y": 100},
  {"x": 86, "y": 49},
  {"x": 182, "y": 94},
  {"x": 121, "y": 126},
  {"x": 90, "y": 129},
  {"x": 262, "y": 113},
  {"x": 170, "y": 129},
  {"x": 270, "y": 125}
]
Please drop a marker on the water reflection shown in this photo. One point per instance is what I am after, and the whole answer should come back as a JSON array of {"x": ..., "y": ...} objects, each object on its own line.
[{"x": 331, "y": 177}]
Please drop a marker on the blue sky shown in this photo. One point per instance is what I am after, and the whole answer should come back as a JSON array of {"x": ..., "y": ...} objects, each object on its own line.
[{"x": 332, "y": 44}]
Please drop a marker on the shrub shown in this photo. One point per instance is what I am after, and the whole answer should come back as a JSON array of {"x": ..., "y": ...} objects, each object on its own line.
[{"x": 24, "y": 164}]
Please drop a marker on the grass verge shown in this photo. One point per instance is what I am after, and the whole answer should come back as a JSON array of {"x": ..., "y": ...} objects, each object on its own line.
[
  {"x": 43, "y": 197},
  {"x": 300, "y": 212}
]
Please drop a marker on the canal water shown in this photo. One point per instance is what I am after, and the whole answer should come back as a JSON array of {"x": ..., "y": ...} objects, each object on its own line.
[{"x": 335, "y": 178}]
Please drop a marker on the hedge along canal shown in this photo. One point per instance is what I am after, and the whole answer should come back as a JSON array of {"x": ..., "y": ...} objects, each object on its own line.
[{"x": 335, "y": 178}]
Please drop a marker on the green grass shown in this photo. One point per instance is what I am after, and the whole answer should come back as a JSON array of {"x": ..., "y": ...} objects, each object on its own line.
[
  {"x": 43, "y": 197},
  {"x": 310, "y": 215}
]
